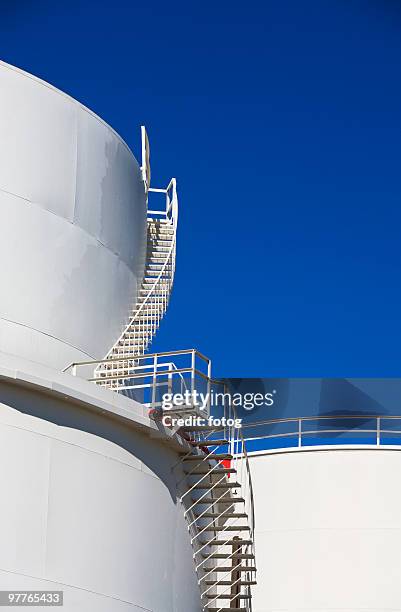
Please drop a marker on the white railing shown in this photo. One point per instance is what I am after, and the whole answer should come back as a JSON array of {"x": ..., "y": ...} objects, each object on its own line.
[
  {"x": 341, "y": 429},
  {"x": 149, "y": 377}
]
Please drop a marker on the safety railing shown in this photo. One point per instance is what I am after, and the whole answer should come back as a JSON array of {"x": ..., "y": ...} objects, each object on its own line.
[
  {"x": 153, "y": 378},
  {"x": 341, "y": 429}
]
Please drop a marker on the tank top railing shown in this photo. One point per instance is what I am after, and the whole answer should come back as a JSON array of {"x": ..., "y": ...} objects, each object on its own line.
[{"x": 341, "y": 429}]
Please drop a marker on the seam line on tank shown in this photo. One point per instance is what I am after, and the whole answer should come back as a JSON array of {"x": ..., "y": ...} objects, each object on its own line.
[
  {"x": 48, "y": 335},
  {"x": 93, "y": 452},
  {"x": 65, "y": 220}
]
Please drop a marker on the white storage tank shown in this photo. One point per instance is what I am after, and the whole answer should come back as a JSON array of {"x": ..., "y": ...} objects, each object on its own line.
[
  {"x": 88, "y": 497},
  {"x": 328, "y": 529},
  {"x": 325, "y": 461},
  {"x": 72, "y": 225}
]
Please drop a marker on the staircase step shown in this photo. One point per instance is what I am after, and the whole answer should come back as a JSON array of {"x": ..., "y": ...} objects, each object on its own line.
[
  {"x": 159, "y": 228},
  {"x": 160, "y": 278},
  {"x": 225, "y": 609},
  {"x": 228, "y": 556},
  {"x": 151, "y": 301},
  {"x": 220, "y": 485},
  {"x": 149, "y": 305},
  {"x": 240, "y": 583},
  {"x": 163, "y": 246},
  {"x": 210, "y": 443},
  {"x": 226, "y": 528},
  {"x": 215, "y": 471},
  {"x": 225, "y": 569},
  {"x": 209, "y": 456},
  {"x": 224, "y": 515},
  {"x": 229, "y": 542},
  {"x": 129, "y": 350},
  {"x": 142, "y": 326},
  {"x": 225, "y": 499},
  {"x": 152, "y": 274},
  {"x": 229, "y": 596}
]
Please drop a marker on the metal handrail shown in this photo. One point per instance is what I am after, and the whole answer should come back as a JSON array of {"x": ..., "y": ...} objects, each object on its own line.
[
  {"x": 138, "y": 357},
  {"x": 149, "y": 371},
  {"x": 301, "y": 433}
]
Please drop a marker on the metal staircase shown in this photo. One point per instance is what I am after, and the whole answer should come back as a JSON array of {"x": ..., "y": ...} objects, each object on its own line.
[
  {"x": 216, "y": 492},
  {"x": 154, "y": 293}
]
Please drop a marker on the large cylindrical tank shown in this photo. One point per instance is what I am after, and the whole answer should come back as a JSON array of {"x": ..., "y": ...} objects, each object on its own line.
[
  {"x": 89, "y": 501},
  {"x": 324, "y": 459},
  {"x": 72, "y": 225},
  {"x": 328, "y": 529}
]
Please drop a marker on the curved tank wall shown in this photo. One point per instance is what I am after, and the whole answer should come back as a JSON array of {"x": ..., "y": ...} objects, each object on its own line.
[
  {"x": 72, "y": 225},
  {"x": 89, "y": 503},
  {"x": 328, "y": 529}
]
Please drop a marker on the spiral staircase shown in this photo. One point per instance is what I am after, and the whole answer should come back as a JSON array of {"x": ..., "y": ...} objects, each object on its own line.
[{"x": 154, "y": 293}]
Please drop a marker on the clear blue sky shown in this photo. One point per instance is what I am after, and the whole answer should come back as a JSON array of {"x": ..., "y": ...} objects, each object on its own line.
[{"x": 281, "y": 121}]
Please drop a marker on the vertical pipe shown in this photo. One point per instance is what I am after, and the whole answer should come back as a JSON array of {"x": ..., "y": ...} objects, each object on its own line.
[
  {"x": 154, "y": 380},
  {"x": 170, "y": 378},
  {"x": 209, "y": 389},
  {"x": 299, "y": 433},
  {"x": 192, "y": 374},
  {"x": 378, "y": 431},
  {"x": 235, "y": 576}
]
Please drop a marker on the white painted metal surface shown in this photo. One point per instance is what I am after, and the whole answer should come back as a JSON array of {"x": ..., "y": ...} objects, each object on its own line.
[
  {"x": 72, "y": 225},
  {"x": 328, "y": 529},
  {"x": 89, "y": 502}
]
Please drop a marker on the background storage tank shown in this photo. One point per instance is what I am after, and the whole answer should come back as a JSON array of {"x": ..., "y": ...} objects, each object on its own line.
[
  {"x": 328, "y": 529},
  {"x": 325, "y": 460}
]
